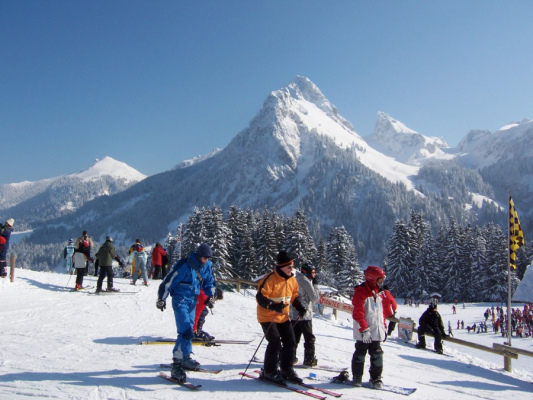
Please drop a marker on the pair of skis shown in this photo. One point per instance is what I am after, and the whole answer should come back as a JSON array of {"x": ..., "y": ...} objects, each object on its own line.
[
  {"x": 207, "y": 343},
  {"x": 295, "y": 388},
  {"x": 192, "y": 386},
  {"x": 188, "y": 385}
]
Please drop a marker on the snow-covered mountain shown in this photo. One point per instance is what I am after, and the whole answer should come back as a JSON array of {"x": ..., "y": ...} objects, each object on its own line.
[
  {"x": 391, "y": 137},
  {"x": 29, "y": 202},
  {"x": 299, "y": 153}
]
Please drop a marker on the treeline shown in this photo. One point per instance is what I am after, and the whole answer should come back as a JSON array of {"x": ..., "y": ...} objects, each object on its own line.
[
  {"x": 467, "y": 263},
  {"x": 245, "y": 244}
]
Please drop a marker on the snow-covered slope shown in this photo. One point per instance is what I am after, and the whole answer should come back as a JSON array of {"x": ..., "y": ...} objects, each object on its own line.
[
  {"x": 30, "y": 202},
  {"x": 393, "y": 138},
  {"x": 108, "y": 166},
  {"x": 63, "y": 345},
  {"x": 302, "y": 104},
  {"x": 481, "y": 148}
]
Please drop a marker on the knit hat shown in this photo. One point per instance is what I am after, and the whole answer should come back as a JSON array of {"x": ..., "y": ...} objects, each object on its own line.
[
  {"x": 10, "y": 221},
  {"x": 283, "y": 259},
  {"x": 70, "y": 241},
  {"x": 432, "y": 306},
  {"x": 204, "y": 251},
  {"x": 109, "y": 239},
  {"x": 306, "y": 269}
]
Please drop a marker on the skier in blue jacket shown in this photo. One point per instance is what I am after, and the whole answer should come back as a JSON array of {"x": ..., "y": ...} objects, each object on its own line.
[{"x": 183, "y": 283}]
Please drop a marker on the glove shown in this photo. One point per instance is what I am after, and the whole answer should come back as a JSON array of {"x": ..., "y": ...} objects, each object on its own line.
[
  {"x": 297, "y": 304},
  {"x": 161, "y": 304},
  {"x": 210, "y": 301},
  {"x": 366, "y": 336},
  {"x": 277, "y": 307}
]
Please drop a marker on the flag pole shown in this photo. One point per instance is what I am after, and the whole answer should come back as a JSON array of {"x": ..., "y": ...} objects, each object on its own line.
[{"x": 509, "y": 326}]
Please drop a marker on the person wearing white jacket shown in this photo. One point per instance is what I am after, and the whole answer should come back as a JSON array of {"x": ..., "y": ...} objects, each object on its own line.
[
  {"x": 308, "y": 294},
  {"x": 369, "y": 327}
]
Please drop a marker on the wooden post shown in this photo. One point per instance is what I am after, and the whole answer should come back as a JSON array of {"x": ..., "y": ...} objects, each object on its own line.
[{"x": 12, "y": 268}]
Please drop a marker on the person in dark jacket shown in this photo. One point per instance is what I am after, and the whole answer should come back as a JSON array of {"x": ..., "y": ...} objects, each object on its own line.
[
  {"x": 5, "y": 235},
  {"x": 105, "y": 256},
  {"x": 431, "y": 322},
  {"x": 183, "y": 283}
]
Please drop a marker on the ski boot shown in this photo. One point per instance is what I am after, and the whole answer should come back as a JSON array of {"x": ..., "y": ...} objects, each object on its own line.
[
  {"x": 377, "y": 383},
  {"x": 145, "y": 283},
  {"x": 112, "y": 290},
  {"x": 357, "y": 381},
  {"x": 178, "y": 373},
  {"x": 343, "y": 377},
  {"x": 188, "y": 363},
  {"x": 310, "y": 362},
  {"x": 275, "y": 377},
  {"x": 203, "y": 336},
  {"x": 291, "y": 376}
]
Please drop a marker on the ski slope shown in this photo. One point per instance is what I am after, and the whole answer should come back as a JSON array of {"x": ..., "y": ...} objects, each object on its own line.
[{"x": 59, "y": 344}]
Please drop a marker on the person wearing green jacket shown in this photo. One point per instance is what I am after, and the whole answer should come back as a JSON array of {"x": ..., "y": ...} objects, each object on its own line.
[{"x": 105, "y": 255}]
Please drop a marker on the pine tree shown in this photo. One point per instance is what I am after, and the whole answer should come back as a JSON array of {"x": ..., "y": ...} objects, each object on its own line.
[
  {"x": 399, "y": 261},
  {"x": 266, "y": 244},
  {"x": 497, "y": 264}
]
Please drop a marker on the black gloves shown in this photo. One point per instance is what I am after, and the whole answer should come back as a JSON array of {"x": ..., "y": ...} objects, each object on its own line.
[
  {"x": 210, "y": 301},
  {"x": 277, "y": 307},
  {"x": 161, "y": 304},
  {"x": 297, "y": 304}
]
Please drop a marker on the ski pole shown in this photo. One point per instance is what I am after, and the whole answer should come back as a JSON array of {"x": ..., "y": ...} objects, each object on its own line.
[
  {"x": 69, "y": 276},
  {"x": 269, "y": 326}
]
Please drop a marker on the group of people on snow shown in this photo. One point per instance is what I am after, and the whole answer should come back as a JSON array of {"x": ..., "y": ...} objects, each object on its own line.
[{"x": 77, "y": 256}]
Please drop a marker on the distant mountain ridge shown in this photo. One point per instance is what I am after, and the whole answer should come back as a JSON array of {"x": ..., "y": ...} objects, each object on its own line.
[
  {"x": 299, "y": 153},
  {"x": 30, "y": 202}
]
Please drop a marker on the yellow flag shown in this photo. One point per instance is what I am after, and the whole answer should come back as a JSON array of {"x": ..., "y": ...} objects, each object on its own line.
[{"x": 516, "y": 236}]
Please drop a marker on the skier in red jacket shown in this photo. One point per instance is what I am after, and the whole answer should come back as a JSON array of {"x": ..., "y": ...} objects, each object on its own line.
[
  {"x": 369, "y": 327},
  {"x": 389, "y": 307}
]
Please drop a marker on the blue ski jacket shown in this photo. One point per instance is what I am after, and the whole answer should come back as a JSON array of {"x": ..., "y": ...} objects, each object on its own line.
[{"x": 182, "y": 282}]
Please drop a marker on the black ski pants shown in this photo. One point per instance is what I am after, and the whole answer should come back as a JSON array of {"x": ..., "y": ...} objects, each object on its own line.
[
  {"x": 105, "y": 270},
  {"x": 280, "y": 348},
  {"x": 376, "y": 359},
  {"x": 305, "y": 328},
  {"x": 437, "y": 334}
]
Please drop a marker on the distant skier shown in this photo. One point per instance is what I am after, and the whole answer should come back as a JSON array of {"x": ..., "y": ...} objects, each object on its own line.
[
  {"x": 83, "y": 245},
  {"x": 369, "y": 327},
  {"x": 105, "y": 255},
  {"x": 431, "y": 322},
  {"x": 68, "y": 252},
  {"x": 5, "y": 235},
  {"x": 183, "y": 282},
  {"x": 157, "y": 260},
  {"x": 139, "y": 257}
]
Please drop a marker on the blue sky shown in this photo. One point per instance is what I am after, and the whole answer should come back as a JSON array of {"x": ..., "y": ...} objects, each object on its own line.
[{"x": 152, "y": 83}]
